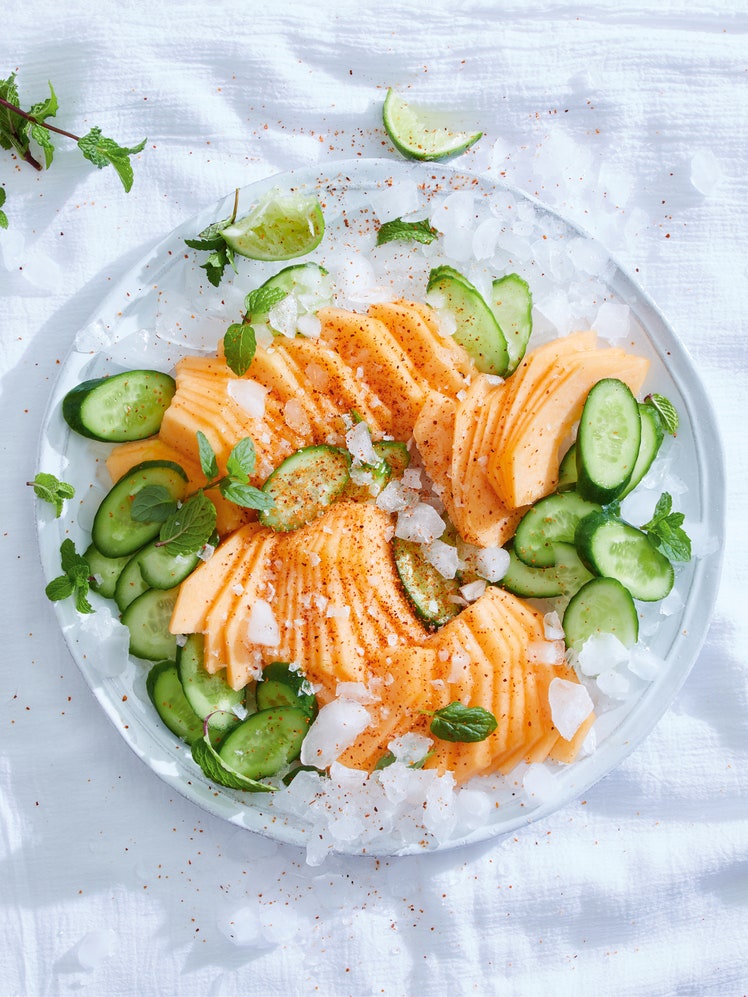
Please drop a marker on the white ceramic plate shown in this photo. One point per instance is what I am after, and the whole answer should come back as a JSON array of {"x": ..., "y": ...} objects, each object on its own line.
[{"x": 164, "y": 308}]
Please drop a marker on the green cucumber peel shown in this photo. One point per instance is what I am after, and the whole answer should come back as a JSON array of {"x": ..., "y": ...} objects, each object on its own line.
[{"x": 216, "y": 769}]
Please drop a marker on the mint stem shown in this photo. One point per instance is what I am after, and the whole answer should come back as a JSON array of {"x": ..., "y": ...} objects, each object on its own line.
[{"x": 35, "y": 121}]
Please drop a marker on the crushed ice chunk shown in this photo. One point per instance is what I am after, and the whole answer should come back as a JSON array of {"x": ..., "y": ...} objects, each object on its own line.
[
  {"x": 410, "y": 748},
  {"x": 570, "y": 706},
  {"x": 420, "y": 523},
  {"x": 359, "y": 445},
  {"x": 613, "y": 321},
  {"x": 250, "y": 395},
  {"x": 444, "y": 557},
  {"x": 335, "y": 728},
  {"x": 95, "y": 947},
  {"x": 552, "y": 628},
  {"x": 613, "y": 684},
  {"x": 600, "y": 653},
  {"x": 473, "y": 590},
  {"x": 538, "y": 782},
  {"x": 492, "y": 563},
  {"x": 262, "y": 626},
  {"x": 644, "y": 663}
]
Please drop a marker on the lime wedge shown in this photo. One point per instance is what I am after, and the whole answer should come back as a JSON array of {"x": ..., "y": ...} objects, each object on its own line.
[
  {"x": 279, "y": 227},
  {"x": 417, "y": 135}
]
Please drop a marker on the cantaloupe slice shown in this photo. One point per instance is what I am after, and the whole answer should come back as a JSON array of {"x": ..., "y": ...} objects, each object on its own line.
[
  {"x": 522, "y": 460},
  {"x": 481, "y": 517},
  {"x": 366, "y": 345},
  {"x": 441, "y": 361},
  {"x": 434, "y": 433}
]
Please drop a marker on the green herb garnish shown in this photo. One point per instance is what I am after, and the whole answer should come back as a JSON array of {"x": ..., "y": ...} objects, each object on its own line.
[
  {"x": 74, "y": 581},
  {"x": 190, "y": 528},
  {"x": 214, "y": 767},
  {"x": 667, "y": 411},
  {"x": 421, "y": 231},
  {"x": 458, "y": 722},
  {"x": 18, "y": 128},
  {"x": 665, "y": 530},
  {"x": 210, "y": 240},
  {"x": 51, "y": 489}
]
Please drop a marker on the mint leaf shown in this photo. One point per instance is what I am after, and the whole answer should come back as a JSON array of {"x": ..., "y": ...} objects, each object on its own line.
[
  {"x": 239, "y": 345},
  {"x": 421, "y": 231},
  {"x": 261, "y": 300},
  {"x": 13, "y": 129},
  {"x": 50, "y": 489},
  {"x": 190, "y": 527},
  {"x": 214, "y": 767},
  {"x": 245, "y": 495},
  {"x": 665, "y": 530},
  {"x": 458, "y": 722},
  {"x": 3, "y": 216},
  {"x": 41, "y": 111},
  {"x": 102, "y": 151},
  {"x": 208, "y": 462},
  {"x": 59, "y": 588},
  {"x": 74, "y": 581},
  {"x": 152, "y": 504},
  {"x": 242, "y": 459},
  {"x": 666, "y": 410},
  {"x": 221, "y": 255}
]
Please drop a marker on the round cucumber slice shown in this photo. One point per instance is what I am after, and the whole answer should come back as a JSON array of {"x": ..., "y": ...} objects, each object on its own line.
[
  {"x": 477, "y": 329},
  {"x": 618, "y": 550},
  {"x": 167, "y": 695},
  {"x": 147, "y": 618},
  {"x": 607, "y": 441},
  {"x": 511, "y": 303},
  {"x": 266, "y": 741},
  {"x": 209, "y": 695},
  {"x": 114, "y": 532},
  {"x": 603, "y": 605},
  {"x": 551, "y": 520},
  {"x": 279, "y": 227},
  {"x": 304, "y": 485},
  {"x": 430, "y": 593},
  {"x": 282, "y": 686},
  {"x": 417, "y": 134},
  {"x": 120, "y": 408}
]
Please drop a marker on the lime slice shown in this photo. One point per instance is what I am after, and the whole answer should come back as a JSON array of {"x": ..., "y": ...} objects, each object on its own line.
[
  {"x": 279, "y": 227},
  {"x": 417, "y": 135}
]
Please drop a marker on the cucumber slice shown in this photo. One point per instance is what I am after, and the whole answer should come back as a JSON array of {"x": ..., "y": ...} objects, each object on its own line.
[
  {"x": 551, "y": 520},
  {"x": 565, "y": 577},
  {"x": 115, "y": 533},
  {"x": 281, "y": 686},
  {"x": 147, "y": 618},
  {"x": 603, "y": 605},
  {"x": 162, "y": 570},
  {"x": 210, "y": 696},
  {"x": 652, "y": 435},
  {"x": 395, "y": 453},
  {"x": 123, "y": 407},
  {"x": 167, "y": 695},
  {"x": 266, "y": 741},
  {"x": 511, "y": 303},
  {"x": 607, "y": 441},
  {"x": 417, "y": 134},
  {"x": 308, "y": 283},
  {"x": 304, "y": 485},
  {"x": 615, "y": 549},
  {"x": 104, "y": 570},
  {"x": 428, "y": 590},
  {"x": 130, "y": 583},
  {"x": 567, "y": 470},
  {"x": 477, "y": 329}
]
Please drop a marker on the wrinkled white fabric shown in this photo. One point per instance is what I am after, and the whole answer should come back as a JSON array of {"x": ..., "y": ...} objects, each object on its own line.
[{"x": 631, "y": 118}]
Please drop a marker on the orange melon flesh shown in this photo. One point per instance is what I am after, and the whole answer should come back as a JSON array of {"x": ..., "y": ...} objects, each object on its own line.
[
  {"x": 433, "y": 433},
  {"x": 481, "y": 517},
  {"x": 525, "y": 467},
  {"x": 366, "y": 343},
  {"x": 441, "y": 361}
]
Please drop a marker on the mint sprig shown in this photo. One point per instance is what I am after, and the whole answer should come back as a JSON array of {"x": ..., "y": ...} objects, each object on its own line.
[
  {"x": 240, "y": 466},
  {"x": 665, "y": 530},
  {"x": 458, "y": 722},
  {"x": 74, "y": 581},
  {"x": 210, "y": 240},
  {"x": 50, "y": 489},
  {"x": 152, "y": 504},
  {"x": 421, "y": 231},
  {"x": 19, "y": 128}
]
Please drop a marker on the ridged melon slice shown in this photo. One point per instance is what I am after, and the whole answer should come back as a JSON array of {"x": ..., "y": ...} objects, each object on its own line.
[
  {"x": 434, "y": 433},
  {"x": 365, "y": 343},
  {"x": 480, "y": 516},
  {"x": 441, "y": 361},
  {"x": 325, "y": 369}
]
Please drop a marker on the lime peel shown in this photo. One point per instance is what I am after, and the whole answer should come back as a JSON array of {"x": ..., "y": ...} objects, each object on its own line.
[
  {"x": 279, "y": 227},
  {"x": 414, "y": 133}
]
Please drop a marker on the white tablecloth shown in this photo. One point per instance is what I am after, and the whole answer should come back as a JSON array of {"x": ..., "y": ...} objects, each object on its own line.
[{"x": 632, "y": 119}]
